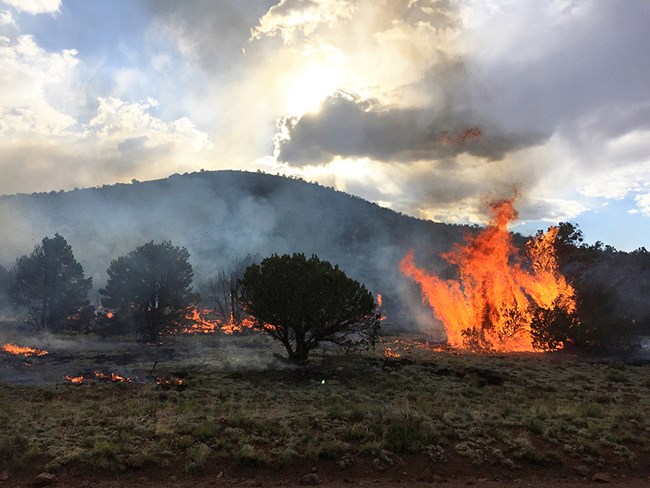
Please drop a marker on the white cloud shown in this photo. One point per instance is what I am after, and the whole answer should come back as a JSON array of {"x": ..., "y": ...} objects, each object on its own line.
[
  {"x": 29, "y": 74},
  {"x": 44, "y": 143},
  {"x": 291, "y": 17},
  {"x": 617, "y": 183},
  {"x": 643, "y": 203},
  {"x": 35, "y": 7},
  {"x": 7, "y": 19},
  {"x": 131, "y": 127}
]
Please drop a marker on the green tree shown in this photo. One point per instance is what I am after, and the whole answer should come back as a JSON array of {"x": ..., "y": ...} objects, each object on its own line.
[
  {"x": 150, "y": 289},
  {"x": 598, "y": 323},
  {"x": 50, "y": 285},
  {"x": 304, "y": 302}
]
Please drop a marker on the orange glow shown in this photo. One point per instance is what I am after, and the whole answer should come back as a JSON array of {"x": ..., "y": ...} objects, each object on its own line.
[
  {"x": 202, "y": 325},
  {"x": 473, "y": 133},
  {"x": 489, "y": 306},
  {"x": 116, "y": 378},
  {"x": 389, "y": 353},
  {"x": 23, "y": 351},
  {"x": 110, "y": 315},
  {"x": 173, "y": 381},
  {"x": 448, "y": 139},
  {"x": 74, "y": 379},
  {"x": 380, "y": 303}
]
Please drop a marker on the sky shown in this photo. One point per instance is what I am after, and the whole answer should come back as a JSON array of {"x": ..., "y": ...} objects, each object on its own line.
[{"x": 433, "y": 108}]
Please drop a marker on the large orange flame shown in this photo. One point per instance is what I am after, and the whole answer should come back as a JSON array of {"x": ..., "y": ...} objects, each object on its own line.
[
  {"x": 23, "y": 351},
  {"x": 489, "y": 307}
]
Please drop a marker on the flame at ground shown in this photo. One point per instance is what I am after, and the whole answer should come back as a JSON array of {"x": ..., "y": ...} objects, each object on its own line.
[
  {"x": 116, "y": 378},
  {"x": 489, "y": 307},
  {"x": 389, "y": 353},
  {"x": 22, "y": 351},
  {"x": 74, "y": 379},
  {"x": 199, "y": 324}
]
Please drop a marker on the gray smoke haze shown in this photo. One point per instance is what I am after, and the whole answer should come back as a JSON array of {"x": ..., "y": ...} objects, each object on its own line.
[{"x": 224, "y": 216}]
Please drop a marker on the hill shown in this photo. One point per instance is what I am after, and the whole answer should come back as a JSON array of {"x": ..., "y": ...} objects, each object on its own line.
[{"x": 222, "y": 216}]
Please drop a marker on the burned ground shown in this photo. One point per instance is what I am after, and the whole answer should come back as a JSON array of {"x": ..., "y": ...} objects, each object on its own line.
[{"x": 240, "y": 415}]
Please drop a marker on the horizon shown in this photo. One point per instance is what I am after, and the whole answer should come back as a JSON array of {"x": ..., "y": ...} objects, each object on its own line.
[{"x": 427, "y": 108}]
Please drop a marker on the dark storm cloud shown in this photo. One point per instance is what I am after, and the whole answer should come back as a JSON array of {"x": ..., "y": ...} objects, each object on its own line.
[{"x": 348, "y": 126}]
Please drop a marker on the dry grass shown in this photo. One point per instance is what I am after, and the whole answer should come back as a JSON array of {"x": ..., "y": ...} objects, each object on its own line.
[{"x": 505, "y": 411}]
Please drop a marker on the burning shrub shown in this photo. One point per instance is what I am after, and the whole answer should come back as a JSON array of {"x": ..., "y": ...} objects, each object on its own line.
[
  {"x": 489, "y": 306},
  {"x": 150, "y": 289},
  {"x": 600, "y": 321},
  {"x": 304, "y": 302},
  {"x": 50, "y": 284}
]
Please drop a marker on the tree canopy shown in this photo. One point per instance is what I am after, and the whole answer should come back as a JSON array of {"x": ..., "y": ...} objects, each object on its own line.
[
  {"x": 150, "y": 288},
  {"x": 304, "y": 302},
  {"x": 602, "y": 320},
  {"x": 50, "y": 285}
]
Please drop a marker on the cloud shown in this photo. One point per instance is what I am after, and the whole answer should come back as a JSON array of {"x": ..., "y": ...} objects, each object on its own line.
[
  {"x": 349, "y": 126},
  {"x": 7, "y": 19},
  {"x": 44, "y": 144},
  {"x": 643, "y": 203},
  {"x": 26, "y": 106},
  {"x": 34, "y": 7},
  {"x": 423, "y": 105},
  {"x": 290, "y": 17}
]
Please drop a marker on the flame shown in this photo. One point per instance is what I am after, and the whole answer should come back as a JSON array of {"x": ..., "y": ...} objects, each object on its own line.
[
  {"x": 389, "y": 353},
  {"x": 23, "y": 351},
  {"x": 201, "y": 325},
  {"x": 489, "y": 307},
  {"x": 116, "y": 378},
  {"x": 380, "y": 304},
  {"x": 74, "y": 379}
]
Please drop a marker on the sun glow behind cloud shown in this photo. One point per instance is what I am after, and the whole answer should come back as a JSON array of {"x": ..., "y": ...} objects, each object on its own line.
[
  {"x": 307, "y": 92},
  {"x": 371, "y": 97}
]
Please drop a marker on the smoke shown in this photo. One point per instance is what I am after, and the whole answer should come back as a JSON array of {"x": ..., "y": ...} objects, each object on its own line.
[
  {"x": 80, "y": 355},
  {"x": 224, "y": 216}
]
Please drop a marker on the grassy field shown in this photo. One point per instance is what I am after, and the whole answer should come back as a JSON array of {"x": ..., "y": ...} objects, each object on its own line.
[{"x": 427, "y": 413}]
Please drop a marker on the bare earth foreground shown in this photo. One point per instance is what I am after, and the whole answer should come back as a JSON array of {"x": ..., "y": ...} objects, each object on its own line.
[{"x": 223, "y": 411}]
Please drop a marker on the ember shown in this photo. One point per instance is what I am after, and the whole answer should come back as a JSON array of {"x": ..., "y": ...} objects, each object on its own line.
[
  {"x": 489, "y": 307},
  {"x": 23, "y": 351},
  {"x": 172, "y": 381}
]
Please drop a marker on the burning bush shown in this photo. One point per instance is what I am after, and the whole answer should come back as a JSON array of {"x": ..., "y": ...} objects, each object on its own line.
[
  {"x": 304, "y": 302},
  {"x": 601, "y": 321},
  {"x": 490, "y": 306},
  {"x": 151, "y": 289}
]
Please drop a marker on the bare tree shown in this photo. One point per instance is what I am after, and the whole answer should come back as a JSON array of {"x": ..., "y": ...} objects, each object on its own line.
[{"x": 224, "y": 288}]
